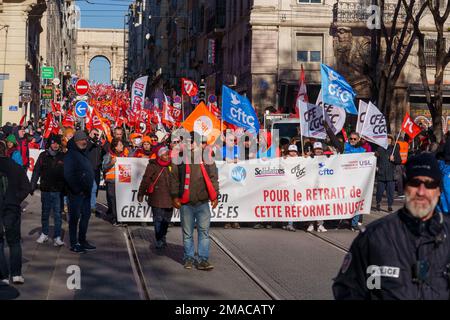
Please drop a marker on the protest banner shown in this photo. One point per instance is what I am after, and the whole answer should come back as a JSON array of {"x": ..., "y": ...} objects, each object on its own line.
[
  {"x": 291, "y": 189},
  {"x": 34, "y": 155}
]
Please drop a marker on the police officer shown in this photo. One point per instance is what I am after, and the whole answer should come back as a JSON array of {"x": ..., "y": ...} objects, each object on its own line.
[{"x": 405, "y": 255}]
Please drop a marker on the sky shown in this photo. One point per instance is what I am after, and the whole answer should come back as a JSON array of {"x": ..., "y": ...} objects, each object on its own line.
[{"x": 102, "y": 14}]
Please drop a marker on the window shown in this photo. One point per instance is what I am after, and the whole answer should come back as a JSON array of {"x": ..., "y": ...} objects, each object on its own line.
[
  {"x": 302, "y": 56},
  {"x": 430, "y": 51},
  {"x": 309, "y": 1},
  {"x": 309, "y": 48}
]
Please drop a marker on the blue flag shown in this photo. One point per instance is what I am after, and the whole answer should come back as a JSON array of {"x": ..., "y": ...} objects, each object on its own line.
[
  {"x": 336, "y": 91},
  {"x": 237, "y": 110}
]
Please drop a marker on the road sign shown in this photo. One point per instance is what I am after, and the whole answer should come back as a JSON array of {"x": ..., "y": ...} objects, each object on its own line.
[
  {"x": 25, "y": 84},
  {"x": 81, "y": 108},
  {"x": 25, "y": 91},
  {"x": 47, "y": 92},
  {"x": 56, "y": 81},
  {"x": 48, "y": 72},
  {"x": 13, "y": 108},
  {"x": 25, "y": 98},
  {"x": 82, "y": 87}
]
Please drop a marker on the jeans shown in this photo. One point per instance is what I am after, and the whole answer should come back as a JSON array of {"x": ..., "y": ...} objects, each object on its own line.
[
  {"x": 161, "y": 219},
  {"x": 389, "y": 186},
  {"x": 79, "y": 212},
  {"x": 51, "y": 201},
  {"x": 10, "y": 227},
  {"x": 111, "y": 199},
  {"x": 94, "y": 196},
  {"x": 190, "y": 216}
]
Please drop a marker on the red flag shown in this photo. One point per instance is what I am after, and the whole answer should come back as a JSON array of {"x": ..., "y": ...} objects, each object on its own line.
[
  {"x": 69, "y": 119},
  {"x": 189, "y": 87},
  {"x": 22, "y": 121},
  {"x": 51, "y": 126},
  {"x": 171, "y": 116},
  {"x": 56, "y": 107},
  {"x": 410, "y": 127},
  {"x": 302, "y": 94}
]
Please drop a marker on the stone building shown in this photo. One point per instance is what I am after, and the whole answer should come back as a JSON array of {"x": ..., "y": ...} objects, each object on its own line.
[
  {"x": 33, "y": 33},
  {"x": 257, "y": 47}
]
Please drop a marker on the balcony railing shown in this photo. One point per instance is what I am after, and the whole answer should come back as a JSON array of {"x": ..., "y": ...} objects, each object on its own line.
[{"x": 358, "y": 12}]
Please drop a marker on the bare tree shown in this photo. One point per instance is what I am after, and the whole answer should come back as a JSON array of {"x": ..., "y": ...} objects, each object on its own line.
[
  {"x": 441, "y": 60},
  {"x": 398, "y": 37}
]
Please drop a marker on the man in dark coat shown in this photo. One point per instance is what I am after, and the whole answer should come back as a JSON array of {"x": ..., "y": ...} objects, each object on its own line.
[
  {"x": 79, "y": 177},
  {"x": 387, "y": 160},
  {"x": 14, "y": 188},
  {"x": 49, "y": 168},
  {"x": 405, "y": 255}
]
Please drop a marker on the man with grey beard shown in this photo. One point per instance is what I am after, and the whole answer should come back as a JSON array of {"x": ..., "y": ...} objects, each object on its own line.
[{"x": 405, "y": 255}]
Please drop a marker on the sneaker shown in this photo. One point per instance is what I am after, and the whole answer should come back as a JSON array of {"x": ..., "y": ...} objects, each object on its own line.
[
  {"x": 159, "y": 244},
  {"x": 227, "y": 226},
  {"x": 290, "y": 228},
  {"x": 42, "y": 238},
  {"x": 18, "y": 280},
  {"x": 235, "y": 225},
  {"x": 390, "y": 209},
  {"x": 258, "y": 226},
  {"x": 87, "y": 246},
  {"x": 188, "y": 264},
  {"x": 401, "y": 196},
  {"x": 205, "y": 265},
  {"x": 78, "y": 249},
  {"x": 359, "y": 224},
  {"x": 6, "y": 281},
  {"x": 321, "y": 228},
  {"x": 57, "y": 242},
  {"x": 310, "y": 228}
]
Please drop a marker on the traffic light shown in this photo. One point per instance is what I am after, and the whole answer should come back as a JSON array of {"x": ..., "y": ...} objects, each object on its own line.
[{"x": 202, "y": 91}]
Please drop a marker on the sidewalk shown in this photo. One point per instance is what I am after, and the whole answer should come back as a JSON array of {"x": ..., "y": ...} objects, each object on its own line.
[{"x": 105, "y": 273}]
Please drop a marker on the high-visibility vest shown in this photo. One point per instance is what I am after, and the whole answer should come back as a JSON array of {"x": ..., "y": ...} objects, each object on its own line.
[
  {"x": 403, "y": 148},
  {"x": 110, "y": 175}
]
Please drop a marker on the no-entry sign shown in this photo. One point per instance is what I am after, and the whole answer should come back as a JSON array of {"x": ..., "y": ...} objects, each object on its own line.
[{"x": 82, "y": 87}]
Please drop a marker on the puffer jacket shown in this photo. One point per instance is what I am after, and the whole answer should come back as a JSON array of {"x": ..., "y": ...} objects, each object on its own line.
[{"x": 78, "y": 171}]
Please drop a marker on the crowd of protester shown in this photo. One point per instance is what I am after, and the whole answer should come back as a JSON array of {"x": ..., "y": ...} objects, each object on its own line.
[{"x": 75, "y": 164}]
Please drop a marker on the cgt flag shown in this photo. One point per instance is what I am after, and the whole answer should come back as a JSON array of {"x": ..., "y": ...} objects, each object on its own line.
[
  {"x": 202, "y": 121},
  {"x": 410, "y": 127},
  {"x": 336, "y": 91},
  {"x": 188, "y": 87},
  {"x": 237, "y": 110}
]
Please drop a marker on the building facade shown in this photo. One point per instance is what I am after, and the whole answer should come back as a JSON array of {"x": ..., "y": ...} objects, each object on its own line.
[
  {"x": 33, "y": 33},
  {"x": 257, "y": 47}
]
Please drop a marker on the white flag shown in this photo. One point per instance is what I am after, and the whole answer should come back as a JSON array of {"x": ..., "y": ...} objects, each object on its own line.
[
  {"x": 362, "y": 110},
  {"x": 375, "y": 128},
  {"x": 334, "y": 116},
  {"x": 138, "y": 94},
  {"x": 311, "y": 120}
]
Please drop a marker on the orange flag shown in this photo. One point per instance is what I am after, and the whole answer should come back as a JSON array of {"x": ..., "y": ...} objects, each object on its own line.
[{"x": 203, "y": 121}]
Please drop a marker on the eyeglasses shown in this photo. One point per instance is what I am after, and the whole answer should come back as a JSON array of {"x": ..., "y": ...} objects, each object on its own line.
[
  {"x": 176, "y": 141},
  {"x": 353, "y": 139},
  {"x": 429, "y": 184}
]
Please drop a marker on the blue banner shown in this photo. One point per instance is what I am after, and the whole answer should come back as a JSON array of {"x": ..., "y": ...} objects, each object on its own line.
[
  {"x": 237, "y": 110},
  {"x": 336, "y": 91}
]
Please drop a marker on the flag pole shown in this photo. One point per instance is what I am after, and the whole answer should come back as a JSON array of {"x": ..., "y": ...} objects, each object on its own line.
[
  {"x": 301, "y": 130},
  {"x": 395, "y": 144},
  {"x": 182, "y": 104}
]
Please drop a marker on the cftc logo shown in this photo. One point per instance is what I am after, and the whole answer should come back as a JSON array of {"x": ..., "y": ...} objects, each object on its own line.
[{"x": 238, "y": 174}]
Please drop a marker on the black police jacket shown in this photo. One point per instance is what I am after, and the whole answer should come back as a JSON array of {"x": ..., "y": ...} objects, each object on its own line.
[{"x": 398, "y": 257}]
